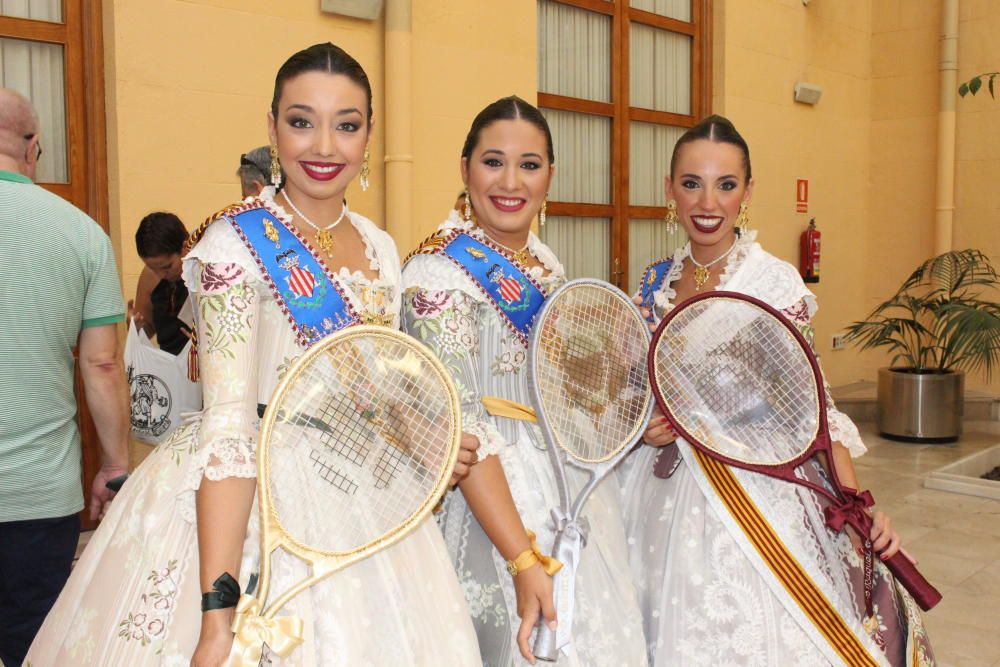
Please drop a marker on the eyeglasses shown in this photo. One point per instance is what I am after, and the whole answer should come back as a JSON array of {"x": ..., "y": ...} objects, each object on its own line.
[{"x": 29, "y": 137}]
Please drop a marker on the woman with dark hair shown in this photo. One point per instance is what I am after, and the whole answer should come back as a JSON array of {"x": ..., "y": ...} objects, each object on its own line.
[
  {"x": 161, "y": 292},
  {"x": 159, "y": 581},
  {"x": 470, "y": 292},
  {"x": 709, "y": 596}
]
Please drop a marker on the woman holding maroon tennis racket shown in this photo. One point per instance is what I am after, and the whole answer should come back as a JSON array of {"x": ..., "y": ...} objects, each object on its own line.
[{"x": 732, "y": 565}]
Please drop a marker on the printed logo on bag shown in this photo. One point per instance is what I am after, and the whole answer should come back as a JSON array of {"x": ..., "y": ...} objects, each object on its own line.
[{"x": 151, "y": 403}]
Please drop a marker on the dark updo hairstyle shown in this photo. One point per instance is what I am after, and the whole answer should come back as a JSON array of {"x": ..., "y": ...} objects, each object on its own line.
[
  {"x": 324, "y": 57},
  {"x": 717, "y": 129},
  {"x": 508, "y": 108},
  {"x": 160, "y": 234}
]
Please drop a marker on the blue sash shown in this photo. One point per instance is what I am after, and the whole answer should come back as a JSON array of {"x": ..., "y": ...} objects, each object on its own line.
[
  {"x": 313, "y": 303},
  {"x": 513, "y": 294},
  {"x": 652, "y": 280}
]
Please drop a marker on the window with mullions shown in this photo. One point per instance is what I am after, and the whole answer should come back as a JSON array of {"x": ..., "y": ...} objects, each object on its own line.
[{"x": 619, "y": 81}]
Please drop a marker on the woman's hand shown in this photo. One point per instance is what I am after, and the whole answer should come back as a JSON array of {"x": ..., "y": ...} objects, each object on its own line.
[
  {"x": 659, "y": 432},
  {"x": 533, "y": 588},
  {"x": 467, "y": 457},
  {"x": 885, "y": 540},
  {"x": 216, "y": 639}
]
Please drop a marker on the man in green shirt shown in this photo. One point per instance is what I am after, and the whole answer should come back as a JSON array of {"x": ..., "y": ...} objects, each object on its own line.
[{"x": 58, "y": 288}]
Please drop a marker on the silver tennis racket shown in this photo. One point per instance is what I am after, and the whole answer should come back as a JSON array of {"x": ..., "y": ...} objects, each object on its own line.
[
  {"x": 356, "y": 447},
  {"x": 590, "y": 390}
]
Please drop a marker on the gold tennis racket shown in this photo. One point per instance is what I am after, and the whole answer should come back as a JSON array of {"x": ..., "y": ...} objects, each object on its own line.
[
  {"x": 356, "y": 447},
  {"x": 590, "y": 389}
]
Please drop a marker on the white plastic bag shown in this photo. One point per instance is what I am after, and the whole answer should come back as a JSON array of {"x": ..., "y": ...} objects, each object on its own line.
[{"x": 159, "y": 389}]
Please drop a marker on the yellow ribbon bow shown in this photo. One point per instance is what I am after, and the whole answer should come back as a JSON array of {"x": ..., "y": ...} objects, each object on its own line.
[
  {"x": 282, "y": 634},
  {"x": 529, "y": 557}
]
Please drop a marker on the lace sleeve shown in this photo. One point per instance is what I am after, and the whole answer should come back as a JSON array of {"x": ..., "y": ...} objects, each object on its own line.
[
  {"x": 446, "y": 321},
  {"x": 227, "y": 322},
  {"x": 842, "y": 429}
]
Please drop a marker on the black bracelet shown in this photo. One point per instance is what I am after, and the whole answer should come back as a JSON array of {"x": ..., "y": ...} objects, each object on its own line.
[{"x": 225, "y": 594}]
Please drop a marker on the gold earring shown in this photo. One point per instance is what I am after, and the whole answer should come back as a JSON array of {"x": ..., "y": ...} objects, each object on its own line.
[
  {"x": 467, "y": 208},
  {"x": 541, "y": 213},
  {"x": 671, "y": 217},
  {"x": 275, "y": 167},
  {"x": 743, "y": 220},
  {"x": 365, "y": 171}
]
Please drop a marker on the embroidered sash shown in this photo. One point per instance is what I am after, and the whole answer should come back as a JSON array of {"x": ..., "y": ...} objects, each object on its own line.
[
  {"x": 807, "y": 595},
  {"x": 512, "y": 293},
  {"x": 314, "y": 303},
  {"x": 652, "y": 280}
]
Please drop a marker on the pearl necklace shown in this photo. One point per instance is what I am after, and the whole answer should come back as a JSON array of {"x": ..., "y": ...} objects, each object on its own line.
[
  {"x": 702, "y": 272},
  {"x": 323, "y": 236}
]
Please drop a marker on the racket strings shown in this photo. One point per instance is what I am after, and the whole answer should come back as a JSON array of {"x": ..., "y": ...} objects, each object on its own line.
[
  {"x": 738, "y": 381},
  {"x": 360, "y": 441},
  {"x": 589, "y": 372}
]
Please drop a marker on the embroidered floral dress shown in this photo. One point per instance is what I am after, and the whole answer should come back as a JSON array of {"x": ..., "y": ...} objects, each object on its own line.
[
  {"x": 443, "y": 308},
  {"x": 706, "y": 597},
  {"x": 134, "y": 596}
]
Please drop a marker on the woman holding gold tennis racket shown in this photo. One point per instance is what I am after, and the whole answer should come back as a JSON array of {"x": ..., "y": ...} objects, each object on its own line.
[
  {"x": 471, "y": 292},
  {"x": 274, "y": 277},
  {"x": 733, "y": 566}
]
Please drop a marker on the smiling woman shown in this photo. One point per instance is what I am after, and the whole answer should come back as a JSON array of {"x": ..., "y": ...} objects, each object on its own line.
[
  {"x": 268, "y": 284},
  {"x": 470, "y": 293}
]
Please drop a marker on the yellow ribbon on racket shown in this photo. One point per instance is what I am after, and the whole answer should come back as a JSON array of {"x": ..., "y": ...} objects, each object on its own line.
[
  {"x": 501, "y": 407},
  {"x": 282, "y": 634}
]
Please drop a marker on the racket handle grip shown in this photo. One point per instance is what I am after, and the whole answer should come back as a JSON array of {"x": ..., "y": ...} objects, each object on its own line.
[
  {"x": 545, "y": 643},
  {"x": 906, "y": 573}
]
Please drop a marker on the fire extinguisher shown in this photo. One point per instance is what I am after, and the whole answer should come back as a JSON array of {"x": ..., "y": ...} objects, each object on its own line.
[{"x": 809, "y": 253}]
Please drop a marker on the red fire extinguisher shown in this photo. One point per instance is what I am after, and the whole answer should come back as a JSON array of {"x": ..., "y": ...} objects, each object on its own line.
[{"x": 809, "y": 253}]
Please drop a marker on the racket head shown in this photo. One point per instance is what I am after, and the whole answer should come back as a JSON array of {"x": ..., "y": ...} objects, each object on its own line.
[
  {"x": 587, "y": 371},
  {"x": 359, "y": 439},
  {"x": 739, "y": 381}
]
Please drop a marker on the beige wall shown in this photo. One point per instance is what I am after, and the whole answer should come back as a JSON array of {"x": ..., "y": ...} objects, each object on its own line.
[
  {"x": 762, "y": 48},
  {"x": 869, "y": 147},
  {"x": 977, "y": 211},
  {"x": 466, "y": 55}
]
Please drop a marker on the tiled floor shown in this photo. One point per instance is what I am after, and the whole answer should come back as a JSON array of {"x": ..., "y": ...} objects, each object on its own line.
[{"x": 955, "y": 538}]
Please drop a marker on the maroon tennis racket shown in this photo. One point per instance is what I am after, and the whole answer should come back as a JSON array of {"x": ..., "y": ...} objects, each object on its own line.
[{"x": 738, "y": 381}]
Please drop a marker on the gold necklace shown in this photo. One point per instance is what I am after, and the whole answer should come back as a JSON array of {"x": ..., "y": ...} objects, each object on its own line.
[
  {"x": 702, "y": 272},
  {"x": 521, "y": 256},
  {"x": 324, "y": 235}
]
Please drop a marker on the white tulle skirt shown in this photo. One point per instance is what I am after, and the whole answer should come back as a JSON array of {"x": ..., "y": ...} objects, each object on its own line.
[{"x": 134, "y": 597}]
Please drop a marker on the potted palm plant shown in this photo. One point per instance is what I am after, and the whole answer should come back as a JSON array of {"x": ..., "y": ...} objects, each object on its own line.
[{"x": 943, "y": 321}]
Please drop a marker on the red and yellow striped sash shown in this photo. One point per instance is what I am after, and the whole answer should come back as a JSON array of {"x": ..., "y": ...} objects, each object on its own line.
[{"x": 782, "y": 563}]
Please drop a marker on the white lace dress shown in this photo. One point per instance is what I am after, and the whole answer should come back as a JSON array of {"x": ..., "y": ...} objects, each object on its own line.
[
  {"x": 443, "y": 308},
  {"x": 703, "y": 597},
  {"x": 134, "y": 596}
]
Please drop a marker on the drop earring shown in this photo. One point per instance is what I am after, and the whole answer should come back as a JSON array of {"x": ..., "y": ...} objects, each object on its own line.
[
  {"x": 467, "y": 208},
  {"x": 541, "y": 213},
  {"x": 671, "y": 217},
  {"x": 365, "y": 171},
  {"x": 275, "y": 167},
  {"x": 743, "y": 220}
]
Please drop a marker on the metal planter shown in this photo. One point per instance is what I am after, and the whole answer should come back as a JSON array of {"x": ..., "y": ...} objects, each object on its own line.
[{"x": 920, "y": 407}]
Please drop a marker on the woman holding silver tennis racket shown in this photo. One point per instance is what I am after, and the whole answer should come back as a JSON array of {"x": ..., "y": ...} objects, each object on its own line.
[
  {"x": 471, "y": 293},
  {"x": 733, "y": 566},
  {"x": 274, "y": 277}
]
